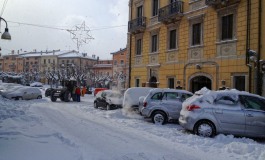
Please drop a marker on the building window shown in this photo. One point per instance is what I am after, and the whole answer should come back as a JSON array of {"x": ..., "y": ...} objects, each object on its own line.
[
  {"x": 171, "y": 82},
  {"x": 115, "y": 62},
  {"x": 196, "y": 34},
  {"x": 155, "y": 8},
  {"x": 122, "y": 62},
  {"x": 154, "y": 43},
  {"x": 44, "y": 61},
  {"x": 137, "y": 82},
  {"x": 240, "y": 83},
  {"x": 139, "y": 47},
  {"x": 173, "y": 39},
  {"x": 49, "y": 61},
  {"x": 139, "y": 11},
  {"x": 227, "y": 27}
]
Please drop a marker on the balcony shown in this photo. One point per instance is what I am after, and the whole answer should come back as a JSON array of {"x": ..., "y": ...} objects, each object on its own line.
[
  {"x": 137, "y": 25},
  {"x": 171, "y": 13},
  {"x": 221, "y": 3}
]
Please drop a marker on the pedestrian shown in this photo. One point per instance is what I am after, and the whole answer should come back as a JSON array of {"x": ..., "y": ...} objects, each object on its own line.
[
  {"x": 78, "y": 93},
  {"x": 83, "y": 91},
  {"x": 73, "y": 93}
]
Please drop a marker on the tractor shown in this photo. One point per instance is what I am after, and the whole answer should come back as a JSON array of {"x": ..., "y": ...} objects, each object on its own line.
[{"x": 65, "y": 93}]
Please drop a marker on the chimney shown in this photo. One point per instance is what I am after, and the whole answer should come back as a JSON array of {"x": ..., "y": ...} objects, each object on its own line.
[
  {"x": 12, "y": 52},
  {"x": 53, "y": 51},
  {"x": 17, "y": 51}
]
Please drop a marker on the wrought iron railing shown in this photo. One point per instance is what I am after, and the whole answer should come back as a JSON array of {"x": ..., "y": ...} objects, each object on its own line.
[
  {"x": 137, "y": 24},
  {"x": 171, "y": 10},
  {"x": 212, "y": 2}
]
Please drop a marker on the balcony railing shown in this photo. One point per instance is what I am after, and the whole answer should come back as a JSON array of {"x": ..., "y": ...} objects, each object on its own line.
[
  {"x": 220, "y": 3},
  {"x": 137, "y": 25},
  {"x": 171, "y": 12}
]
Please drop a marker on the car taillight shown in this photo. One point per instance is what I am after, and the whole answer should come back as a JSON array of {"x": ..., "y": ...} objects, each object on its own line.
[
  {"x": 145, "y": 104},
  {"x": 193, "y": 107}
]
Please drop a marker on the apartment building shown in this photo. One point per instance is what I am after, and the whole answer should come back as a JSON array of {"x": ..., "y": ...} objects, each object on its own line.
[
  {"x": 119, "y": 68},
  {"x": 191, "y": 44}
]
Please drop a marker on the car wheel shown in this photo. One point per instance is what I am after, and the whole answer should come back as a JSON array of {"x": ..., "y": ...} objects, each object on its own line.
[
  {"x": 108, "y": 107},
  {"x": 95, "y": 105},
  {"x": 39, "y": 97},
  {"x": 205, "y": 129},
  {"x": 159, "y": 118}
]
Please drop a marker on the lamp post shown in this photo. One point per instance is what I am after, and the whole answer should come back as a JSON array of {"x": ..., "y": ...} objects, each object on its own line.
[{"x": 6, "y": 34}]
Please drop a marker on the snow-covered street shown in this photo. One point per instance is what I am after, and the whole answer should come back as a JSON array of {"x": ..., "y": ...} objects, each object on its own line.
[{"x": 41, "y": 129}]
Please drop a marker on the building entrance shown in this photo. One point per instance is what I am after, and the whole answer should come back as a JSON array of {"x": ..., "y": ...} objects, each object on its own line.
[{"x": 199, "y": 82}]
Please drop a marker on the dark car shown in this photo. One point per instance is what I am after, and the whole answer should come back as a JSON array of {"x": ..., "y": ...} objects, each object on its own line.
[{"x": 108, "y": 99}]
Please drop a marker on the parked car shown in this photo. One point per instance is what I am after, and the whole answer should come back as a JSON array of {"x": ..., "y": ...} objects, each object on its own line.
[
  {"x": 163, "y": 105},
  {"x": 96, "y": 90},
  {"x": 36, "y": 84},
  {"x": 208, "y": 113},
  {"x": 108, "y": 99},
  {"x": 132, "y": 95},
  {"x": 23, "y": 93}
]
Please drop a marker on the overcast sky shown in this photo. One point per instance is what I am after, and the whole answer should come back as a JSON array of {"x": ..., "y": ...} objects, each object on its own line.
[{"x": 65, "y": 14}]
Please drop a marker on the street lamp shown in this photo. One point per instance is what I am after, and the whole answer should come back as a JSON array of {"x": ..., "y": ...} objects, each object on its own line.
[{"x": 6, "y": 34}]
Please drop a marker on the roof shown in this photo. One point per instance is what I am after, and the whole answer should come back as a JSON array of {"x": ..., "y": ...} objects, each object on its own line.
[
  {"x": 75, "y": 54},
  {"x": 103, "y": 65},
  {"x": 121, "y": 50},
  {"x": 60, "y": 54}
]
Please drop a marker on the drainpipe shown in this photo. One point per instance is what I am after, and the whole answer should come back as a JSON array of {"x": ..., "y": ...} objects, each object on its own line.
[
  {"x": 130, "y": 50},
  {"x": 248, "y": 45},
  {"x": 259, "y": 75}
]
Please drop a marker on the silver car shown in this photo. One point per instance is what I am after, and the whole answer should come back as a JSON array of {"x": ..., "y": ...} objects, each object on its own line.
[
  {"x": 163, "y": 105},
  {"x": 228, "y": 112},
  {"x": 23, "y": 93}
]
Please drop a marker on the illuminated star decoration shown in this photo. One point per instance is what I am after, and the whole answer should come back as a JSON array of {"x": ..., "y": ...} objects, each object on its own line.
[{"x": 80, "y": 35}]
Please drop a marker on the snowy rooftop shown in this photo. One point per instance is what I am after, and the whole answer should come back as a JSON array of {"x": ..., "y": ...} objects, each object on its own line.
[
  {"x": 60, "y": 54},
  {"x": 121, "y": 50},
  {"x": 103, "y": 65}
]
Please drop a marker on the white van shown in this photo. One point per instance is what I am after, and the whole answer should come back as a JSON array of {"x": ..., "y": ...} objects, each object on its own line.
[{"x": 132, "y": 95}]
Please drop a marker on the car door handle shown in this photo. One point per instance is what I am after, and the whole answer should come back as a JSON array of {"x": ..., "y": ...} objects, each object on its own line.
[{"x": 249, "y": 115}]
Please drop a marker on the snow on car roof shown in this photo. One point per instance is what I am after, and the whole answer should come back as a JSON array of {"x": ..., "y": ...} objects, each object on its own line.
[{"x": 206, "y": 95}]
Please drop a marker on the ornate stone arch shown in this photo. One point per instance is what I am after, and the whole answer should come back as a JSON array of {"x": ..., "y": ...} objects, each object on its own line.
[{"x": 199, "y": 74}]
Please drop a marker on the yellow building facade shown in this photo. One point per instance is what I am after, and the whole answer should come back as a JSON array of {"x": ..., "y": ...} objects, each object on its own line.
[{"x": 191, "y": 44}]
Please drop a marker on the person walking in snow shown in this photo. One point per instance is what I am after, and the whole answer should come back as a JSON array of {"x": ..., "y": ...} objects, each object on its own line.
[
  {"x": 83, "y": 91},
  {"x": 78, "y": 93}
]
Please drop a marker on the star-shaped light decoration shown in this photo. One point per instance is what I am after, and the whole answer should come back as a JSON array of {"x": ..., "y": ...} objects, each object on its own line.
[{"x": 80, "y": 35}]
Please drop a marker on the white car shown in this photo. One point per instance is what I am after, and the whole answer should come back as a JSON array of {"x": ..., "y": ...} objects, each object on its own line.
[
  {"x": 23, "y": 93},
  {"x": 36, "y": 84},
  {"x": 132, "y": 95},
  {"x": 4, "y": 87}
]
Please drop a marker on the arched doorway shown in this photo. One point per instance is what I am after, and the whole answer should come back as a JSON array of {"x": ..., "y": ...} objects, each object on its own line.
[
  {"x": 199, "y": 82},
  {"x": 152, "y": 82}
]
